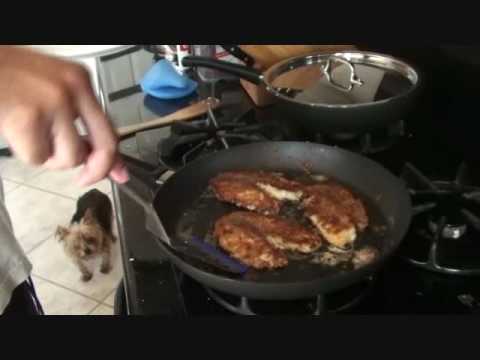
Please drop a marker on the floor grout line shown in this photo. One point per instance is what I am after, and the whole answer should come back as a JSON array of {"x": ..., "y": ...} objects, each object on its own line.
[
  {"x": 95, "y": 308},
  {"x": 110, "y": 293},
  {"x": 12, "y": 181},
  {"x": 66, "y": 288},
  {"x": 38, "y": 245},
  {"x": 48, "y": 191},
  {"x": 12, "y": 190},
  {"x": 51, "y": 192},
  {"x": 29, "y": 179},
  {"x": 43, "y": 190}
]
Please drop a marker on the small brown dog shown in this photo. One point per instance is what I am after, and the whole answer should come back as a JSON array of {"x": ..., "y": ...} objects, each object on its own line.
[{"x": 90, "y": 232}]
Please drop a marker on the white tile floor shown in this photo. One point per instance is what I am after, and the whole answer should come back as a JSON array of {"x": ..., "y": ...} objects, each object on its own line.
[{"x": 38, "y": 201}]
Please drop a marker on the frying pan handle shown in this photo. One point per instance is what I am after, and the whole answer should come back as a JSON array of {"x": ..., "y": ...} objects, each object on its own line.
[
  {"x": 147, "y": 175},
  {"x": 244, "y": 72},
  {"x": 152, "y": 222}
]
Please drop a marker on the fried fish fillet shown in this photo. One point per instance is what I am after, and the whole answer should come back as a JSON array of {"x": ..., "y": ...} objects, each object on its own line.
[
  {"x": 244, "y": 194},
  {"x": 330, "y": 220},
  {"x": 336, "y": 213},
  {"x": 277, "y": 186},
  {"x": 257, "y": 240},
  {"x": 282, "y": 233},
  {"x": 255, "y": 190},
  {"x": 246, "y": 243},
  {"x": 341, "y": 195}
]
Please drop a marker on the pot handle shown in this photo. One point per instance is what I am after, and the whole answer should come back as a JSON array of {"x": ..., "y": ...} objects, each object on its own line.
[
  {"x": 236, "y": 51},
  {"x": 244, "y": 72}
]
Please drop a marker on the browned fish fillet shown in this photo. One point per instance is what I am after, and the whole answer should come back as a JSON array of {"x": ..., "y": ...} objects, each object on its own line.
[
  {"x": 336, "y": 212},
  {"x": 331, "y": 220},
  {"x": 277, "y": 186},
  {"x": 244, "y": 194},
  {"x": 282, "y": 233},
  {"x": 341, "y": 195},
  {"x": 255, "y": 190},
  {"x": 246, "y": 242}
]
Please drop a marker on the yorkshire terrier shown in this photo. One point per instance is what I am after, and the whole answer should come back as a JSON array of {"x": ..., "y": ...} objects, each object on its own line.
[{"x": 90, "y": 233}]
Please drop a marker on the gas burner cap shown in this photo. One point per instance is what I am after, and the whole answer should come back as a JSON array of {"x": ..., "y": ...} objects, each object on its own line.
[{"x": 451, "y": 232}]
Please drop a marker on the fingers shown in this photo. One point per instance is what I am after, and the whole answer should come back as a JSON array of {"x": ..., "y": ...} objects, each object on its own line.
[
  {"x": 28, "y": 135},
  {"x": 40, "y": 98},
  {"x": 69, "y": 150},
  {"x": 103, "y": 158},
  {"x": 119, "y": 172}
]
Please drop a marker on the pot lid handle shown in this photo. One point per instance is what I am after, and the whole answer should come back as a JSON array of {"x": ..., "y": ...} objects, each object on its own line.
[{"x": 354, "y": 79}]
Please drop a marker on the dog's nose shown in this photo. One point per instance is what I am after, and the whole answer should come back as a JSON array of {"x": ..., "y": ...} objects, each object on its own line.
[{"x": 88, "y": 251}]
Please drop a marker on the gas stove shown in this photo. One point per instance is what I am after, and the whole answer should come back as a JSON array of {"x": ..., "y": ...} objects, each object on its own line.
[{"x": 433, "y": 272}]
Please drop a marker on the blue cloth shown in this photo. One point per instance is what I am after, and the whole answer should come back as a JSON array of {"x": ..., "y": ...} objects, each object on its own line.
[{"x": 164, "y": 82}]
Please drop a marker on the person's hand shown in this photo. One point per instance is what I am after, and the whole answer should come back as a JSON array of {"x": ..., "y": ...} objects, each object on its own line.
[{"x": 40, "y": 99}]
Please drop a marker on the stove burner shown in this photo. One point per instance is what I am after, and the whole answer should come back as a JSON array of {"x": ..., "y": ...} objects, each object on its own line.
[
  {"x": 370, "y": 143},
  {"x": 334, "y": 303},
  {"x": 195, "y": 138},
  {"x": 449, "y": 231},
  {"x": 445, "y": 232}
]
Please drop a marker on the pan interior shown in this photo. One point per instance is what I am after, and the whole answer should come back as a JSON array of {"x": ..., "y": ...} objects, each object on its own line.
[
  {"x": 200, "y": 218},
  {"x": 303, "y": 79},
  {"x": 192, "y": 210}
]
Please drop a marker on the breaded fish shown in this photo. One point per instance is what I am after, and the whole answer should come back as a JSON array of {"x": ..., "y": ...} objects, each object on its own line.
[
  {"x": 336, "y": 213},
  {"x": 353, "y": 206},
  {"x": 256, "y": 190},
  {"x": 282, "y": 233},
  {"x": 246, "y": 243},
  {"x": 244, "y": 194}
]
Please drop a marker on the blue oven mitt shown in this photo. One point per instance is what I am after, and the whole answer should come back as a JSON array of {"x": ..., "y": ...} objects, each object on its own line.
[{"x": 164, "y": 82}]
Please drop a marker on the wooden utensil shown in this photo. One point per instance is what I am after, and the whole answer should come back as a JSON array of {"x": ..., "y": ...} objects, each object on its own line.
[{"x": 187, "y": 113}]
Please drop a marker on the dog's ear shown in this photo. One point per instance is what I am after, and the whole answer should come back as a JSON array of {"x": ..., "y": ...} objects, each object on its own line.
[
  {"x": 88, "y": 218},
  {"x": 61, "y": 233}
]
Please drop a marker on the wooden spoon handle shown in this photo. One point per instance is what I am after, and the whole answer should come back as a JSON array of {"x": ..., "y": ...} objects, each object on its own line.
[{"x": 187, "y": 113}]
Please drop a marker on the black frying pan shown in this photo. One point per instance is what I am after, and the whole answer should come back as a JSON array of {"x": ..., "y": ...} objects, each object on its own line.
[
  {"x": 183, "y": 213},
  {"x": 347, "y": 92}
]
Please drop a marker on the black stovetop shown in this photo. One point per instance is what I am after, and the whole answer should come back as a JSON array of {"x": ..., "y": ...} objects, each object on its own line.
[{"x": 153, "y": 286}]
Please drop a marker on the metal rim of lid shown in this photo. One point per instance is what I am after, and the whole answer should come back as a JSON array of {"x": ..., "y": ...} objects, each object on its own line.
[{"x": 373, "y": 59}]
